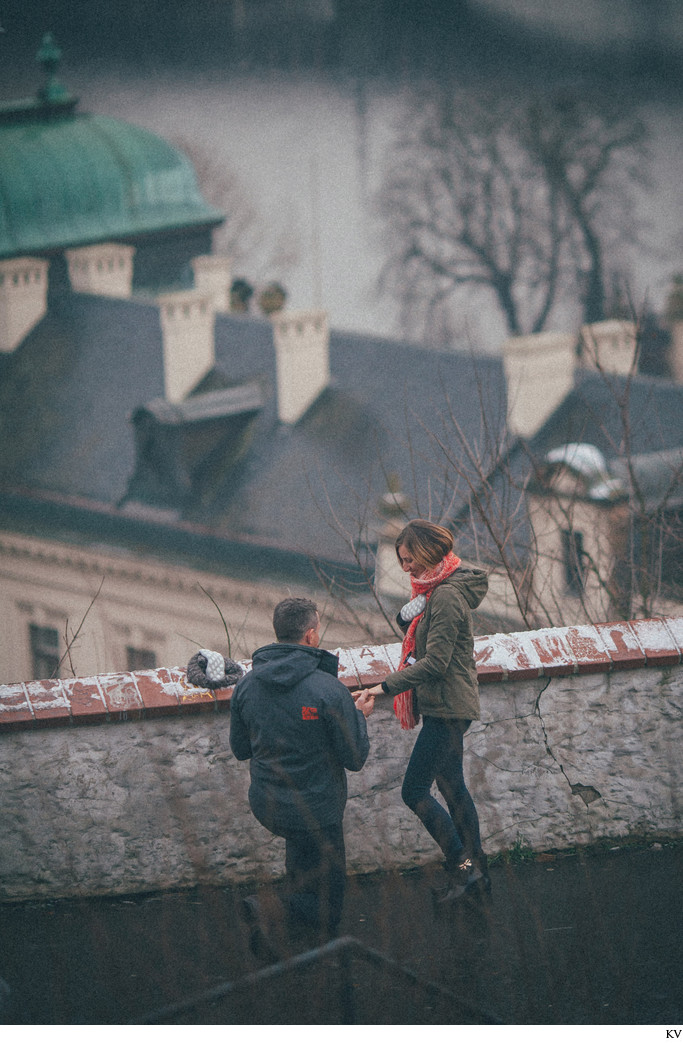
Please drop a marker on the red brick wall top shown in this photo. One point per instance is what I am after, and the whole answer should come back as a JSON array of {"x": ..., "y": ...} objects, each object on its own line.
[{"x": 591, "y": 648}]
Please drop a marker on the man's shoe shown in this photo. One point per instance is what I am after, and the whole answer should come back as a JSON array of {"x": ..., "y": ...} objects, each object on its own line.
[
  {"x": 260, "y": 945},
  {"x": 249, "y": 909}
]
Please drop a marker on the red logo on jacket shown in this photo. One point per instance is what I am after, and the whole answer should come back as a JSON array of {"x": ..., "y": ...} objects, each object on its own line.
[{"x": 309, "y": 713}]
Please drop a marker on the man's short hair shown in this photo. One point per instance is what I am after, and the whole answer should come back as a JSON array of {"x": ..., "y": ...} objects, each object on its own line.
[{"x": 293, "y": 617}]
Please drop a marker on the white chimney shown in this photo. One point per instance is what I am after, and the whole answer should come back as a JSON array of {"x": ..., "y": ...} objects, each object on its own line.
[
  {"x": 105, "y": 269},
  {"x": 23, "y": 298},
  {"x": 676, "y": 351},
  {"x": 674, "y": 322},
  {"x": 302, "y": 355},
  {"x": 213, "y": 275},
  {"x": 390, "y": 579},
  {"x": 609, "y": 346},
  {"x": 187, "y": 327},
  {"x": 539, "y": 370}
]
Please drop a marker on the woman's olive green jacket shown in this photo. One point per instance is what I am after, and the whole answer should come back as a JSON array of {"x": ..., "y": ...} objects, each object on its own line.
[{"x": 444, "y": 675}]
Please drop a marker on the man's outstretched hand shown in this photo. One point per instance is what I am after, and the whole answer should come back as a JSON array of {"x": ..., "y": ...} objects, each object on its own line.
[{"x": 365, "y": 702}]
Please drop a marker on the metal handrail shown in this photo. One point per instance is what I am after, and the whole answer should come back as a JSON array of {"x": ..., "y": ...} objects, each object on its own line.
[{"x": 344, "y": 948}]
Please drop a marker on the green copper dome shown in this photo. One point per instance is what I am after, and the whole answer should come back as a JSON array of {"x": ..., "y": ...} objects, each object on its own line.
[{"x": 70, "y": 179}]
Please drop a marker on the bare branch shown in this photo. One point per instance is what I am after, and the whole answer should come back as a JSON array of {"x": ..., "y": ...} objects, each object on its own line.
[
  {"x": 70, "y": 642},
  {"x": 520, "y": 202},
  {"x": 225, "y": 625}
]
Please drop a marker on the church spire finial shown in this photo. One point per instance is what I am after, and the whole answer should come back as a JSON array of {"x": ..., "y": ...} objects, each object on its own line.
[{"x": 49, "y": 57}]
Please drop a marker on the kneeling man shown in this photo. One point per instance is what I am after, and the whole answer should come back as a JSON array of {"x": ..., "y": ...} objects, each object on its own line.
[{"x": 301, "y": 730}]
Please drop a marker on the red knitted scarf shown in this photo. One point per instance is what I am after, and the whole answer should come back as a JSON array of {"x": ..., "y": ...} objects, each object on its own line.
[{"x": 404, "y": 707}]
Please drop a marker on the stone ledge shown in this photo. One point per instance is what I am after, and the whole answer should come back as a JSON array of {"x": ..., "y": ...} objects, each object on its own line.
[{"x": 146, "y": 694}]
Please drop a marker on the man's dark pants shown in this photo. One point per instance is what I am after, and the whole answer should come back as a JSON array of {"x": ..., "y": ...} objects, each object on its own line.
[{"x": 315, "y": 861}]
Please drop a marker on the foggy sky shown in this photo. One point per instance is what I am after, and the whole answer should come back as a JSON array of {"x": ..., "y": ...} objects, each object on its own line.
[{"x": 299, "y": 98}]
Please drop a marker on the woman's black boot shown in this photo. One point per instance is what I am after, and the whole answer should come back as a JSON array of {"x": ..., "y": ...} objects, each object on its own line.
[
  {"x": 467, "y": 878},
  {"x": 482, "y": 862}
]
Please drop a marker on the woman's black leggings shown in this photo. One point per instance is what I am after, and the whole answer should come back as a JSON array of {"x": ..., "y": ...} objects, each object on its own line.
[{"x": 437, "y": 757}]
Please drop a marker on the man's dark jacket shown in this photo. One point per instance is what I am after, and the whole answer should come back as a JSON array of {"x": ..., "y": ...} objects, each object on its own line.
[{"x": 301, "y": 729}]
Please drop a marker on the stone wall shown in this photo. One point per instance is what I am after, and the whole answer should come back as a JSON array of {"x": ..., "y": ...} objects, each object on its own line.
[{"x": 125, "y": 782}]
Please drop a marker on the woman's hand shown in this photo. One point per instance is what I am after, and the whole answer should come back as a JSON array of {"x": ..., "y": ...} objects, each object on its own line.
[{"x": 377, "y": 690}]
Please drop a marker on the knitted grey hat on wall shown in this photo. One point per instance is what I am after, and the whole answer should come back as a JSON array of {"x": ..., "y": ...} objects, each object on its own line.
[{"x": 209, "y": 669}]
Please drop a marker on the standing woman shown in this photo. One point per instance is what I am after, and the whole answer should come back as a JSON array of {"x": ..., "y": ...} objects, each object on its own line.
[{"x": 437, "y": 679}]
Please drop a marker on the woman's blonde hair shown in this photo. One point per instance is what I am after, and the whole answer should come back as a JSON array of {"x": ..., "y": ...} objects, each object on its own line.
[{"x": 428, "y": 543}]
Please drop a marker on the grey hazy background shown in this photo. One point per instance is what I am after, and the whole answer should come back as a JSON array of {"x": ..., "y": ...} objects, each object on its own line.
[{"x": 300, "y": 99}]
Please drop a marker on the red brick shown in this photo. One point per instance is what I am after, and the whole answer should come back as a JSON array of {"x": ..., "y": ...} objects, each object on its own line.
[
  {"x": 656, "y": 642},
  {"x": 195, "y": 700},
  {"x": 372, "y": 664},
  {"x": 87, "y": 701},
  {"x": 489, "y": 675},
  {"x": 348, "y": 673},
  {"x": 49, "y": 701},
  {"x": 621, "y": 645},
  {"x": 15, "y": 711},
  {"x": 190, "y": 698},
  {"x": 393, "y": 656},
  {"x": 557, "y": 658},
  {"x": 16, "y": 718},
  {"x": 121, "y": 697},
  {"x": 159, "y": 692},
  {"x": 674, "y": 624},
  {"x": 488, "y": 669},
  {"x": 588, "y": 650},
  {"x": 516, "y": 656}
]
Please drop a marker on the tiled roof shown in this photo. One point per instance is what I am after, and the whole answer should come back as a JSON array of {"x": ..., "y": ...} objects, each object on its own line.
[
  {"x": 70, "y": 390},
  {"x": 69, "y": 393},
  {"x": 66, "y": 395},
  {"x": 610, "y": 411}
]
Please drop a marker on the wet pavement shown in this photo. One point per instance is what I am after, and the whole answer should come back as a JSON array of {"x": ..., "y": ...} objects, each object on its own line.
[{"x": 593, "y": 938}]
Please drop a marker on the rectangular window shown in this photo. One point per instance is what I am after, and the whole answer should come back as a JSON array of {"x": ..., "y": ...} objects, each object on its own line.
[
  {"x": 573, "y": 552},
  {"x": 45, "y": 657},
  {"x": 140, "y": 659}
]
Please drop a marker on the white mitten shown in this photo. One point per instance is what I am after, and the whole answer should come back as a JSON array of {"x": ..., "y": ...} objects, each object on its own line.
[
  {"x": 413, "y": 608},
  {"x": 215, "y": 664}
]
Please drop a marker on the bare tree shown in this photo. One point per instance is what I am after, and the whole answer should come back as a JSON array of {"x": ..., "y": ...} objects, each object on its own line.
[
  {"x": 517, "y": 202},
  {"x": 591, "y": 155}
]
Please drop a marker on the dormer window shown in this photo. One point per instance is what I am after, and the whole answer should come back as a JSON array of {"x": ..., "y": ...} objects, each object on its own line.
[{"x": 183, "y": 449}]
